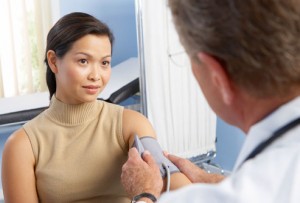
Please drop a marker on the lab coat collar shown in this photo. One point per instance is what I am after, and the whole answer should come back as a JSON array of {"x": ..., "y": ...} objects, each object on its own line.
[{"x": 262, "y": 130}]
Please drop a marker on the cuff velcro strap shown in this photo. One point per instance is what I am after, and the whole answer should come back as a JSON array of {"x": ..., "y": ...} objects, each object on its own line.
[{"x": 144, "y": 194}]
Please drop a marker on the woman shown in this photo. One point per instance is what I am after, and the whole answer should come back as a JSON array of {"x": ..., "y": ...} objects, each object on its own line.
[{"x": 74, "y": 150}]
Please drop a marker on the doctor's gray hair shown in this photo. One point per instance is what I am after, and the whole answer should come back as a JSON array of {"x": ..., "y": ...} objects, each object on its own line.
[
  {"x": 68, "y": 30},
  {"x": 257, "y": 41}
]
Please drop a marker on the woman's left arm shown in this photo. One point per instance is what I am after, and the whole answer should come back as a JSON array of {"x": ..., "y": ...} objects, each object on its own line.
[{"x": 134, "y": 123}]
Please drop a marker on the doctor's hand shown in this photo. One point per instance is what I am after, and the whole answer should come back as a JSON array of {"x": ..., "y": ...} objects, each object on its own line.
[
  {"x": 140, "y": 175},
  {"x": 193, "y": 172}
]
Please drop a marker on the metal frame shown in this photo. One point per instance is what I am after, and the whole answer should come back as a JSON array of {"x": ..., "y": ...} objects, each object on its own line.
[{"x": 141, "y": 55}]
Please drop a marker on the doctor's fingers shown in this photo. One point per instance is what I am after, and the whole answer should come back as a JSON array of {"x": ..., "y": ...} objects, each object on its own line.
[
  {"x": 134, "y": 156},
  {"x": 148, "y": 158},
  {"x": 134, "y": 159},
  {"x": 145, "y": 163},
  {"x": 192, "y": 171},
  {"x": 181, "y": 163}
]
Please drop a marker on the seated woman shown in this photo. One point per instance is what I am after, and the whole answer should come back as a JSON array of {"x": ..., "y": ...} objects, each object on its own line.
[{"x": 75, "y": 149}]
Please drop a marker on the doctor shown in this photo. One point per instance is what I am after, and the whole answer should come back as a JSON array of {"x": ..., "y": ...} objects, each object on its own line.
[{"x": 245, "y": 56}]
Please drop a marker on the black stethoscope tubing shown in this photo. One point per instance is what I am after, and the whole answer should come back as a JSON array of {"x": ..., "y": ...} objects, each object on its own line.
[{"x": 276, "y": 135}]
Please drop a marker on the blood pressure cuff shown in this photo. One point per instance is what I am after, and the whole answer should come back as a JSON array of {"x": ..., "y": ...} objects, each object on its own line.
[{"x": 151, "y": 144}]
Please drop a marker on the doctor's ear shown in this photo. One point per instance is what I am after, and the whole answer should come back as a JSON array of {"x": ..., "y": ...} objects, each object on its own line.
[
  {"x": 52, "y": 59},
  {"x": 218, "y": 75}
]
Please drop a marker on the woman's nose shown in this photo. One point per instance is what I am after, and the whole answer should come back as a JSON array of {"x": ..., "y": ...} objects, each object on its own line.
[{"x": 95, "y": 73}]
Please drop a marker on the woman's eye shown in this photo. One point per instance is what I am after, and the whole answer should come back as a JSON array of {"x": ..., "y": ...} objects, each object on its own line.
[
  {"x": 83, "y": 61},
  {"x": 106, "y": 63}
]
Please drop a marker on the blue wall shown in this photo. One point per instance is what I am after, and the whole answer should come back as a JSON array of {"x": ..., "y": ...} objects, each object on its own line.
[
  {"x": 229, "y": 142},
  {"x": 119, "y": 15}
]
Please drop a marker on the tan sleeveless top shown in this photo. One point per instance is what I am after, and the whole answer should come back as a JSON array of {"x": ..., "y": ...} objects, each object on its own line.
[{"x": 79, "y": 152}]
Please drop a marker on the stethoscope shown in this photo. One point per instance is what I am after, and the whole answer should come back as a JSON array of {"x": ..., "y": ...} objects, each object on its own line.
[{"x": 277, "y": 134}]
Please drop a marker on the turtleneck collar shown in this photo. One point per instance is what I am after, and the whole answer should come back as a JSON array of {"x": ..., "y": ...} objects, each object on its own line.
[{"x": 72, "y": 114}]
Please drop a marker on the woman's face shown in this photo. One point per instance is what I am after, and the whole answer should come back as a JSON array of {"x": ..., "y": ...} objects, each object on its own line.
[{"x": 83, "y": 72}]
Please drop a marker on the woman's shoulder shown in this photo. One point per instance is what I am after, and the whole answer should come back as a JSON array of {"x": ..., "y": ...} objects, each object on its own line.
[
  {"x": 17, "y": 136},
  {"x": 132, "y": 114},
  {"x": 18, "y": 144}
]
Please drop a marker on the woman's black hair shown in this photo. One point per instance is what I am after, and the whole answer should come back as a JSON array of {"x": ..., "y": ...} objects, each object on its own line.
[{"x": 68, "y": 30}]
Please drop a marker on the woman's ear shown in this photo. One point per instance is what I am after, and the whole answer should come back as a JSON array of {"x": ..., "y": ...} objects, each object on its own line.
[
  {"x": 219, "y": 77},
  {"x": 52, "y": 59}
]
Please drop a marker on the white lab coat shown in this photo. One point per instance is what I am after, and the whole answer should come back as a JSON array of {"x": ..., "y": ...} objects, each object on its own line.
[{"x": 273, "y": 176}]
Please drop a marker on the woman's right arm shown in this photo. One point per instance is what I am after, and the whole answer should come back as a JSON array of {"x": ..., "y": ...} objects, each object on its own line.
[{"x": 18, "y": 177}]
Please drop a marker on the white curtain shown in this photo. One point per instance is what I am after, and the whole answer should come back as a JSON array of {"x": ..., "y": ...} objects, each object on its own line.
[
  {"x": 184, "y": 123},
  {"x": 24, "y": 26}
]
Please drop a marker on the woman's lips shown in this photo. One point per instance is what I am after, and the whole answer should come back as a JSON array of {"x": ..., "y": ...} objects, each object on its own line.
[{"x": 91, "y": 89}]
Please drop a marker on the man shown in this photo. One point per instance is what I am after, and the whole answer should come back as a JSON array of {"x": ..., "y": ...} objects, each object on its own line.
[{"x": 245, "y": 55}]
